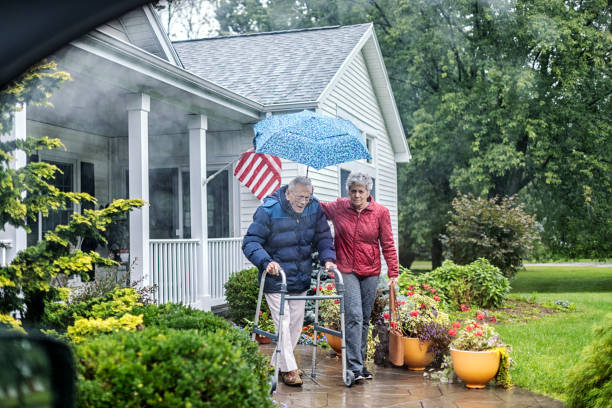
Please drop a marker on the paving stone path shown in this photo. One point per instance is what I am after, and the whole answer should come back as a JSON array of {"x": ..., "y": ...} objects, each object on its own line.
[{"x": 392, "y": 387}]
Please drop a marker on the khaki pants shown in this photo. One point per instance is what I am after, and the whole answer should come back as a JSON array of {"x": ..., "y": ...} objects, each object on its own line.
[{"x": 293, "y": 321}]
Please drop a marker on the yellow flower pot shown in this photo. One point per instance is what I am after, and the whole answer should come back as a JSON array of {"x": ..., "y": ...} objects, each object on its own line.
[
  {"x": 416, "y": 356},
  {"x": 475, "y": 368}
]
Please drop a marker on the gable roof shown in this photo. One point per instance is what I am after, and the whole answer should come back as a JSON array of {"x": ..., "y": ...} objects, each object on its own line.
[{"x": 304, "y": 61}]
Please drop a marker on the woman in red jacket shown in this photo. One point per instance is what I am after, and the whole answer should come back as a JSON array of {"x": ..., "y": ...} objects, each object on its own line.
[{"x": 361, "y": 228}]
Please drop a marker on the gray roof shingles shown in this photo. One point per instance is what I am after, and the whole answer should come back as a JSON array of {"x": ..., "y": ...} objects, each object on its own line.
[{"x": 273, "y": 68}]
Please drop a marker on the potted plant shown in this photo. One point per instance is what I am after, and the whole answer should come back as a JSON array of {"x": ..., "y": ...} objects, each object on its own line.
[
  {"x": 478, "y": 354},
  {"x": 265, "y": 323},
  {"x": 423, "y": 324},
  {"x": 329, "y": 315}
]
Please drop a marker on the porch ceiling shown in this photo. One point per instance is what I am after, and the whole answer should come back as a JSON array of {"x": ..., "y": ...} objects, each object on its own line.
[{"x": 95, "y": 100}]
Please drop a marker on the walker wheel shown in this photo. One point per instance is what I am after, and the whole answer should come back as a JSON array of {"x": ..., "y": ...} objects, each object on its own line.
[
  {"x": 273, "y": 383},
  {"x": 349, "y": 378}
]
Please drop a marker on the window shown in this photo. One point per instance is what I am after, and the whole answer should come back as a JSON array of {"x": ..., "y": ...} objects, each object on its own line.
[
  {"x": 370, "y": 147},
  {"x": 344, "y": 176},
  {"x": 163, "y": 196},
  {"x": 218, "y": 205}
]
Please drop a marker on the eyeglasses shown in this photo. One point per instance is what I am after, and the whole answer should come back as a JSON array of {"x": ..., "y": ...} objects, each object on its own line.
[{"x": 301, "y": 198}]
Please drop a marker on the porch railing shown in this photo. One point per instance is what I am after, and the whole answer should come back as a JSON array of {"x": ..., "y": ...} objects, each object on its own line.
[
  {"x": 174, "y": 269},
  {"x": 224, "y": 258}
]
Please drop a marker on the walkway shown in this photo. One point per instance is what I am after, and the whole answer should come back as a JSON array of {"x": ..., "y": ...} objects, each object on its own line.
[{"x": 392, "y": 387}]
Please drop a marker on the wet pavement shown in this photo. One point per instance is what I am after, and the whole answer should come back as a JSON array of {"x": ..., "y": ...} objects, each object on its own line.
[{"x": 391, "y": 387}]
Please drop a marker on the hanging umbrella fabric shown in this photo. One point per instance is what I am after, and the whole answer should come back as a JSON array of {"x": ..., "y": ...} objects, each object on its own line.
[{"x": 309, "y": 138}]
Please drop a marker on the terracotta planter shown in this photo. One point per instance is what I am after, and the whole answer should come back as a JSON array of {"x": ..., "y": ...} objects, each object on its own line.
[
  {"x": 475, "y": 368},
  {"x": 262, "y": 339},
  {"x": 334, "y": 342},
  {"x": 416, "y": 356}
]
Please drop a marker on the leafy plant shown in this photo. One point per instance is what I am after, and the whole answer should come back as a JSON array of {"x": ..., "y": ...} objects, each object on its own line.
[
  {"x": 496, "y": 229},
  {"x": 329, "y": 309},
  {"x": 265, "y": 322},
  {"x": 589, "y": 382},
  {"x": 241, "y": 291}
]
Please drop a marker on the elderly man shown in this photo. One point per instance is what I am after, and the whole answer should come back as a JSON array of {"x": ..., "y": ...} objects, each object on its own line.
[{"x": 285, "y": 228}]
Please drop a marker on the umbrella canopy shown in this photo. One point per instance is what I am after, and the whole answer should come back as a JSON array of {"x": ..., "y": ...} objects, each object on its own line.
[{"x": 309, "y": 138}]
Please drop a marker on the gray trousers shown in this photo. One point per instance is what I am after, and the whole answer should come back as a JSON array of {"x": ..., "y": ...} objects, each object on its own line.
[{"x": 359, "y": 297}]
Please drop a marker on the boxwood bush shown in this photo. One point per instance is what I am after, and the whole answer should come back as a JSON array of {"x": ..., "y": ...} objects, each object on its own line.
[
  {"x": 589, "y": 383},
  {"x": 164, "y": 367},
  {"x": 478, "y": 283},
  {"x": 241, "y": 292}
]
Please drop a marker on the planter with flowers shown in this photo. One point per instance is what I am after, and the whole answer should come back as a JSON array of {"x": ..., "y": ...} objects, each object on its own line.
[
  {"x": 423, "y": 324},
  {"x": 478, "y": 354},
  {"x": 329, "y": 315},
  {"x": 265, "y": 323}
]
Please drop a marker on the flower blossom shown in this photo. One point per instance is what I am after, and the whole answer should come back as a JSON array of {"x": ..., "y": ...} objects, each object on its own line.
[
  {"x": 329, "y": 287},
  {"x": 469, "y": 328},
  {"x": 478, "y": 333},
  {"x": 426, "y": 286},
  {"x": 386, "y": 315},
  {"x": 436, "y": 298},
  {"x": 493, "y": 319},
  {"x": 393, "y": 324},
  {"x": 480, "y": 316},
  {"x": 414, "y": 313},
  {"x": 452, "y": 332},
  {"x": 456, "y": 325},
  {"x": 337, "y": 301},
  {"x": 464, "y": 307}
]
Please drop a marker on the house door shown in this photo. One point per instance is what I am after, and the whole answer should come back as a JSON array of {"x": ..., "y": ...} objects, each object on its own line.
[{"x": 164, "y": 199}]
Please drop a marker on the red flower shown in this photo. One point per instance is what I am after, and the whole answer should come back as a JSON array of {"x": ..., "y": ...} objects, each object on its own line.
[
  {"x": 402, "y": 302},
  {"x": 478, "y": 333},
  {"x": 410, "y": 287},
  {"x": 426, "y": 286},
  {"x": 480, "y": 316},
  {"x": 437, "y": 298},
  {"x": 337, "y": 301},
  {"x": 414, "y": 313},
  {"x": 260, "y": 312},
  {"x": 452, "y": 332},
  {"x": 410, "y": 293},
  {"x": 493, "y": 319},
  {"x": 423, "y": 306},
  {"x": 456, "y": 325},
  {"x": 432, "y": 290},
  {"x": 465, "y": 308},
  {"x": 476, "y": 325},
  {"x": 386, "y": 315},
  {"x": 331, "y": 275},
  {"x": 329, "y": 287},
  {"x": 393, "y": 324},
  {"x": 469, "y": 328},
  {"x": 320, "y": 288}
]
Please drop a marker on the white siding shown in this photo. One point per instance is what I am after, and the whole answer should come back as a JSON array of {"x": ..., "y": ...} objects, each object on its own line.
[
  {"x": 353, "y": 98},
  {"x": 80, "y": 146},
  {"x": 140, "y": 33},
  {"x": 115, "y": 29}
]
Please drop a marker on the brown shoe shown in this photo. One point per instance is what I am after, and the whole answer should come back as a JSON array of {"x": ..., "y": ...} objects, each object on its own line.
[
  {"x": 292, "y": 378},
  {"x": 300, "y": 372}
]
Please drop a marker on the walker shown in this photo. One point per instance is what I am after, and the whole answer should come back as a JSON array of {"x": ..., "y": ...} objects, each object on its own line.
[{"x": 347, "y": 376}]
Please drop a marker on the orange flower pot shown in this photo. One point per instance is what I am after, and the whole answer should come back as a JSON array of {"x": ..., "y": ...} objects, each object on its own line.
[
  {"x": 262, "y": 339},
  {"x": 334, "y": 342},
  {"x": 475, "y": 368},
  {"x": 416, "y": 356}
]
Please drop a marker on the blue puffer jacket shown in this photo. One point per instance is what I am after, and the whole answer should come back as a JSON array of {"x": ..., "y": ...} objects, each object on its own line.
[{"x": 280, "y": 234}]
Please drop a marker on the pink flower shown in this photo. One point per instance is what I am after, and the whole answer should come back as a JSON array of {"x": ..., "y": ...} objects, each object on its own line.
[
  {"x": 331, "y": 275},
  {"x": 456, "y": 325},
  {"x": 337, "y": 301},
  {"x": 402, "y": 302},
  {"x": 426, "y": 286},
  {"x": 432, "y": 290},
  {"x": 469, "y": 328},
  {"x": 410, "y": 293},
  {"x": 386, "y": 315},
  {"x": 260, "y": 312},
  {"x": 480, "y": 316},
  {"x": 329, "y": 287},
  {"x": 410, "y": 287},
  {"x": 465, "y": 308},
  {"x": 452, "y": 332},
  {"x": 393, "y": 324},
  {"x": 478, "y": 333},
  {"x": 493, "y": 319},
  {"x": 423, "y": 306},
  {"x": 436, "y": 298},
  {"x": 414, "y": 313}
]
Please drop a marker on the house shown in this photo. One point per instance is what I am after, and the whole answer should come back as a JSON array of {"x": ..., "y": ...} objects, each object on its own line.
[{"x": 146, "y": 118}]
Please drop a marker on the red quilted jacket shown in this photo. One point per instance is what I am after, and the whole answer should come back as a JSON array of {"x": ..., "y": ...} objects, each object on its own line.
[{"x": 357, "y": 237}]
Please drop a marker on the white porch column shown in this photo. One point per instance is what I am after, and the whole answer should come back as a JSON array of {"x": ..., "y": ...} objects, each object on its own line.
[
  {"x": 138, "y": 106},
  {"x": 198, "y": 124},
  {"x": 16, "y": 236}
]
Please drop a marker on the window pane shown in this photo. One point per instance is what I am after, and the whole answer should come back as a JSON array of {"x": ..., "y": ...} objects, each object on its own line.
[
  {"x": 186, "y": 205},
  {"x": 64, "y": 182},
  {"x": 163, "y": 196},
  {"x": 218, "y": 205}
]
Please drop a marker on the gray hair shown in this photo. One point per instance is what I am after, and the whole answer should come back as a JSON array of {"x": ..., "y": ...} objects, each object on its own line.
[
  {"x": 299, "y": 180},
  {"x": 359, "y": 178}
]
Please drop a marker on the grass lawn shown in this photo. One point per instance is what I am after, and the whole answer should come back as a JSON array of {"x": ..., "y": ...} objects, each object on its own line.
[{"x": 546, "y": 347}]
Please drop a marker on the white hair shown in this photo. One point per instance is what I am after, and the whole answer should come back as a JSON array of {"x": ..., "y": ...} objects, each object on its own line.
[
  {"x": 359, "y": 178},
  {"x": 300, "y": 180}
]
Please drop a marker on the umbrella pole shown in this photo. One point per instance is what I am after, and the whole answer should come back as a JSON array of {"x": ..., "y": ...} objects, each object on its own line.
[{"x": 307, "y": 167}]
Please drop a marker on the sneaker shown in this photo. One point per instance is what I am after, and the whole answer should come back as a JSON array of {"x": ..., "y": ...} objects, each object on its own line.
[
  {"x": 358, "y": 376},
  {"x": 366, "y": 374},
  {"x": 292, "y": 378}
]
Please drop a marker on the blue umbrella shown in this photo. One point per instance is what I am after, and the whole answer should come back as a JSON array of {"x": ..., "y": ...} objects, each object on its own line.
[{"x": 309, "y": 138}]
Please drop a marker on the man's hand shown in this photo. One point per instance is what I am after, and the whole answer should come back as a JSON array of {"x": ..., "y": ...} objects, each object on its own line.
[
  {"x": 392, "y": 281},
  {"x": 273, "y": 268},
  {"x": 330, "y": 265}
]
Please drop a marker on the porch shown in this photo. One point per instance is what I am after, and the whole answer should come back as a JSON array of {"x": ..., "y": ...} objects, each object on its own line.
[{"x": 174, "y": 269}]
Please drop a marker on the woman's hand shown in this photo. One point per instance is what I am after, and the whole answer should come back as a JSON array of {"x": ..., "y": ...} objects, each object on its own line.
[
  {"x": 330, "y": 265},
  {"x": 392, "y": 281}
]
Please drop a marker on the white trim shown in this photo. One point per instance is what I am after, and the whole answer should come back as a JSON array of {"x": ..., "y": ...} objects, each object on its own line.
[{"x": 161, "y": 35}]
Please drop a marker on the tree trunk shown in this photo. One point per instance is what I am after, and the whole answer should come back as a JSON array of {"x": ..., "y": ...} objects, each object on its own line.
[{"x": 436, "y": 253}]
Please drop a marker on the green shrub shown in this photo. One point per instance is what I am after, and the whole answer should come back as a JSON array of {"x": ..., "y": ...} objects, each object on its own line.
[
  {"x": 589, "y": 383},
  {"x": 495, "y": 229},
  {"x": 241, "y": 292},
  {"x": 168, "y": 368},
  {"x": 479, "y": 283}
]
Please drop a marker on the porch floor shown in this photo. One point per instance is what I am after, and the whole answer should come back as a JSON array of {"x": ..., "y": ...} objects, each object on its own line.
[{"x": 391, "y": 387}]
